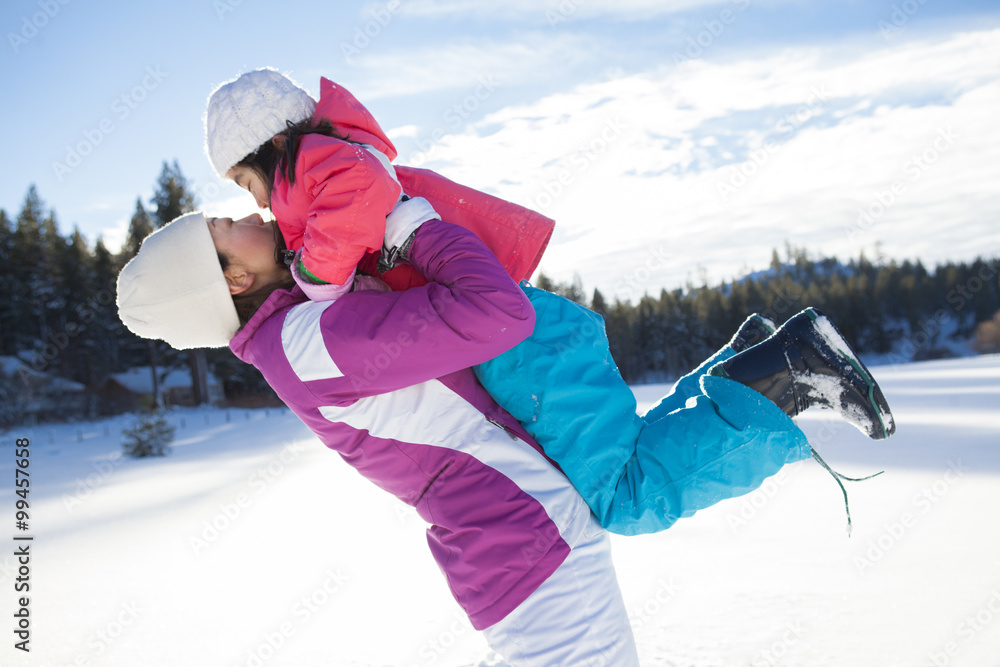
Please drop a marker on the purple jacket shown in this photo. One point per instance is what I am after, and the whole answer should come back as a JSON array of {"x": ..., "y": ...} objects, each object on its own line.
[{"x": 384, "y": 379}]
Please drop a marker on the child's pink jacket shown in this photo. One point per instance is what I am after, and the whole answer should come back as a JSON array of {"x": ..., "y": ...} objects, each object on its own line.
[{"x": 337, "y": 208}]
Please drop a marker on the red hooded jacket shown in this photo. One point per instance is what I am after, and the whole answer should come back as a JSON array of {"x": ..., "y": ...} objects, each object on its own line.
[{"x": 336, "y": 210}]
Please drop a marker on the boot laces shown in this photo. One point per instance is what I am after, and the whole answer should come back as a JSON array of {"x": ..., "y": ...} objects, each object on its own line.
[{"x": 840, "y": 479}]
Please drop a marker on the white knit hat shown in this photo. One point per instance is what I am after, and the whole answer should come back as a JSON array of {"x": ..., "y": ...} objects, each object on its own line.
[
  {"x": 174, "y": 289},
  {"x": 244, "y": 113}
]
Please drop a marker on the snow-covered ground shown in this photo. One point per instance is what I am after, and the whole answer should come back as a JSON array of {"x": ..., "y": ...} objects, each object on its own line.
[{"x": 251, "y": 545}]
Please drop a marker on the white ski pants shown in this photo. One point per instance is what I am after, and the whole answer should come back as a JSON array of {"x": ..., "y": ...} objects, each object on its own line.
[{"x": 576, "y": 618}]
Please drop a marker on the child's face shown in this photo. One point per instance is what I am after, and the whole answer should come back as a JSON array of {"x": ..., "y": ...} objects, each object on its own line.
[
  {"x": 250, "y": 180},
  {"x": 250, "y": 246}
]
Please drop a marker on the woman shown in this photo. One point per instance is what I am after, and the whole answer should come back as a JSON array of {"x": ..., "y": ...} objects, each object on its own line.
[{"x": 384, "y": 379}]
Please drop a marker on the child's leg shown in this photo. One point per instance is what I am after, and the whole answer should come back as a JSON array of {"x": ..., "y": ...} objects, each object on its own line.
[
  {"x": 576, "y": 617},
  {"x": 637, "y": 477},
  {"x": 687, "y": 387},
  {"x": 564, "y": 387},
  {"x": 722, "y": 444},
  {"x": 755, "y": 329}
]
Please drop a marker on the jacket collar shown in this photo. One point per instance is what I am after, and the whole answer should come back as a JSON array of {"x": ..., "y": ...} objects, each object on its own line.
[{"x": 280, "y": 299}]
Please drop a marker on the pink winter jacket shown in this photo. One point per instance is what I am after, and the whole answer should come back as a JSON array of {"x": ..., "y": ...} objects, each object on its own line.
[
  {"x": 383, "y": 379},
  {"x": 336, "y": 210}
]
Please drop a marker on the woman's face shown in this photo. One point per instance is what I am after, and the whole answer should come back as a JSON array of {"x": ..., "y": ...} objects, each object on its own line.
[
  {"x": 250, "y": 246},
  {"x": 250, "y": 180}
]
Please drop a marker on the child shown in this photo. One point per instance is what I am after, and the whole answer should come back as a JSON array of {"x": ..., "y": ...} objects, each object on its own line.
[
  {"x": 313, "y": 170},
  {"x": 332, "y": 197}
]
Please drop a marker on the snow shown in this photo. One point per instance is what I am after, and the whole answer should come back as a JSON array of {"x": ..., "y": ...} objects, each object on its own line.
[
  {"x": 252, "y": 545},
  {"x": 11, "y": 366},
  {"x": 826, "y": 390}
]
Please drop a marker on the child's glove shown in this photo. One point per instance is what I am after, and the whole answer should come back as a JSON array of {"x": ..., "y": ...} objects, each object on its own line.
[
  {"x": 318, "y": 291},
  {"x": 400, "y": 226}
]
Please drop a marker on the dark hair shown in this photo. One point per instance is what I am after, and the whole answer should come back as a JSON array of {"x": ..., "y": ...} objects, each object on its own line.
[
  {"x": 247, "y": 303},
  {"x": 269, "y": 160}
]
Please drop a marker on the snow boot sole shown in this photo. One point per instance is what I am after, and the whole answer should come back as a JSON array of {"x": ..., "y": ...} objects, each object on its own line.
[{"x": 755, "y": 329}]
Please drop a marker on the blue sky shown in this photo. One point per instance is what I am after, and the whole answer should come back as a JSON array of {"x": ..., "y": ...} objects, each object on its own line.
[{"x": 672, "y": 141}]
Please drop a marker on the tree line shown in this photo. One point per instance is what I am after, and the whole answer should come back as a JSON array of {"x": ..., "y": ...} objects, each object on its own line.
[
  {"x": 899, "y": 310},
  {"x": 58, "y": 310},
  {"x": 59, "y": 316}
]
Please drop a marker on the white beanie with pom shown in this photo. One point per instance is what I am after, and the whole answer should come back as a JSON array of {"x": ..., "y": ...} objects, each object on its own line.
[
  {"x": 174, "y": 289},
  {"x": 244, "y": 113}
]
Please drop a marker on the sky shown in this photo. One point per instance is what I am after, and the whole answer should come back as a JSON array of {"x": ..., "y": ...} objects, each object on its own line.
[{"x": 674, "y": 142}]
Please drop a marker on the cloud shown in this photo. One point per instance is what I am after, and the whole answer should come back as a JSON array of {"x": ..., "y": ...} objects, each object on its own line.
[
  {"x": 234, "y": 206},
  {"x": 553, "y": 11},
  {"x": 836, "y": 149},
  {"x": 405, "y": 131},
  {"x": 402, "y": 73},
  {"x": 114, "y": 237}
]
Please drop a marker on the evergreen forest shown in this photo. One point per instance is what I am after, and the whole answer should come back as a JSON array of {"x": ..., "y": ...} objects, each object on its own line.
[{"x": 58, "y": 314}]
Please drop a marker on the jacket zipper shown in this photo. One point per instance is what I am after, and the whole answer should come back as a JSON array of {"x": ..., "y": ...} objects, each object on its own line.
[{"x": 513, "y": 436}]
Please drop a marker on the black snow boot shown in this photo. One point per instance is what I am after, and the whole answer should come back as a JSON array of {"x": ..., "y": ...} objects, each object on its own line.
[
  {"x": 807, "y": 363},
  {"x": 755, "y": 329}
]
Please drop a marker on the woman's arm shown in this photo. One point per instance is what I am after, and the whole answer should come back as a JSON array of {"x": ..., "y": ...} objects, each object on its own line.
[{"x": 380, "y": 342}]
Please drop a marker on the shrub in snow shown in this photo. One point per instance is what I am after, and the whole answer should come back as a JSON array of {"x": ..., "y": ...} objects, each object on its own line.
[{"x": 150, "y": 435}]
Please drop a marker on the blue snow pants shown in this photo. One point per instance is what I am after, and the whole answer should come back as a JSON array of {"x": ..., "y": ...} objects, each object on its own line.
[{"x": 709, "y": 439}]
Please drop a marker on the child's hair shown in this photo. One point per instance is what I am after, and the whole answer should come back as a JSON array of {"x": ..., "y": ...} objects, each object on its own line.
[
  {"x": 247, "y": 303},
  {"x": 268, "y": 159}
]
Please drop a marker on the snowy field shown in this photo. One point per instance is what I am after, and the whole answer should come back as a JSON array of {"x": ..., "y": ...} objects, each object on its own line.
[{"x": 251, "y": 546}]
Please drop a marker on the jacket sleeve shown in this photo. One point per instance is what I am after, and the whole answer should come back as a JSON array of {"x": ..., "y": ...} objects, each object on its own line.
[
  {"x": 517, "y": 236},
  {"x": 383, "y": 341},
  {"x": 348, "y": 195}
]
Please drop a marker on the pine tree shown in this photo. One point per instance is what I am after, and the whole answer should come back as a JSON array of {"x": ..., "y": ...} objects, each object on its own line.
[
  {"x": 172, "y": 198},
  {"x": 150, "y": 435},
  {"x": 139, "y": 227},
  {"x": 51, "y": 298},
  {"x": 76, "y": 286},
  {"x": 28, "y": 275},
  {"x": 597, "y": 303},
  {"x": 574, "y": 290},
  {"x": 545, "y": 283},
  {"x": 105, "y": 330},
  {"x": 622, "y": 340},
  {"x": 651, "y": 338},
  {"x": 8, "y": 311},
  {"x": 571, "y": 290},
  {"x": 775, "y": 263},
  {"x": 683, "y": 341},
  {"x": 982, "y": 285}
]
